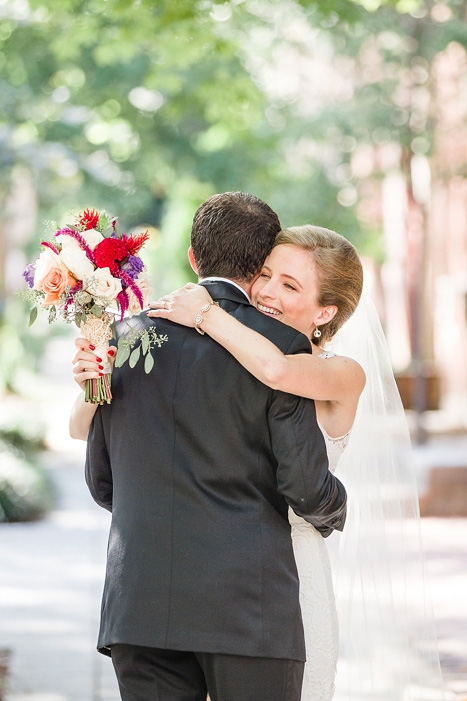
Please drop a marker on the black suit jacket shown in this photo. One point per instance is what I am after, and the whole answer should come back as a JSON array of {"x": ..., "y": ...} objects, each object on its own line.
[{"x": 198, "y": 462}]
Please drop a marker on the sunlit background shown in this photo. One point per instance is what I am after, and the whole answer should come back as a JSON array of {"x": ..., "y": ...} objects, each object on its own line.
[{"x": 347, "y": 114}]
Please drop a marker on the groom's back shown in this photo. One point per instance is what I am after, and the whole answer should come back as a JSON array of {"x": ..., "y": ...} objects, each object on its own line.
[{"x": 200, "y": 556}]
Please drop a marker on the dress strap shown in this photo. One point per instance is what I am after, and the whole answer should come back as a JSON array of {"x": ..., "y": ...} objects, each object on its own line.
[{"x": 326, "y": 354}]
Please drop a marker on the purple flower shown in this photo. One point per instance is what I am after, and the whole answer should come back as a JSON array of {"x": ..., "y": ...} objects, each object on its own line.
[
  {"x": 28, "y": 274},
  {"x": 133, "y": 266}
]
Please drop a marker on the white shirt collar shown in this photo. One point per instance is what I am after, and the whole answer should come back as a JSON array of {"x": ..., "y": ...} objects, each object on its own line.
[{"x": 224, "y": 279}]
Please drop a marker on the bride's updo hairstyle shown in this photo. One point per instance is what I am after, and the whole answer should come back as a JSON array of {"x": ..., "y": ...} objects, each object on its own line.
[{"x": 339, "y": 272}]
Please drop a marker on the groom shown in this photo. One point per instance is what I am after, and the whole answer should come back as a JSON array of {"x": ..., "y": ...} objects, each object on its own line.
[{"x": 198, "y": 462}]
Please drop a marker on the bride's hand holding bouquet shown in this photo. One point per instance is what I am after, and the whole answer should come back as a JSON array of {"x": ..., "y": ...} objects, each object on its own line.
[{"x": 88, "y": 365}]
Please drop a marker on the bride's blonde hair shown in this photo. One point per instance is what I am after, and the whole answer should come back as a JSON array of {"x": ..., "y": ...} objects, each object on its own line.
[{"x": 340, "y": 274}]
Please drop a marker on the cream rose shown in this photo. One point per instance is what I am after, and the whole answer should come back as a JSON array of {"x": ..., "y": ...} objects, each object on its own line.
[
  {"x": 144, "y": 284},
  {"x": 91, "y": 236},
  {"x": 102, "y": 285},
  {"x": 77, "y": 261}
]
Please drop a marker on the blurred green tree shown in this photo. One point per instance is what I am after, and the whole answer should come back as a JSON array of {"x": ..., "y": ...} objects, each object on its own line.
[{"x": 145, "y": 109}]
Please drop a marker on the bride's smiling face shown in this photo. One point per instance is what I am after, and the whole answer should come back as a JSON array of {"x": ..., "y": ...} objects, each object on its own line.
[{"x": 287, "y": 288}]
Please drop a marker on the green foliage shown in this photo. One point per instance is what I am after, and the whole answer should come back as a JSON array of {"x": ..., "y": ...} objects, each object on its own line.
[
  {"x": 145, "y": 109},
  {"x": 26, "y": 493},
  {"x": 136, "y": 344},
  {"x": 25, "y": 437}
]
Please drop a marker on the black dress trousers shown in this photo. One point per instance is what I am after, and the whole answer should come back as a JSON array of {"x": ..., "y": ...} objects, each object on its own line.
[{"x": 154, "y": 674}]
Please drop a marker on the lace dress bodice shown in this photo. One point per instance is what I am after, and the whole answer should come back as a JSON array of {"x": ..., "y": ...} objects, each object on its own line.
[{"x": 317, "y": 596}]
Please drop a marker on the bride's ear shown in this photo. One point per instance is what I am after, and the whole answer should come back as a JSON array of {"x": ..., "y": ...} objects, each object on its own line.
[
  {"x": 191, "y": 258},
  {"x": 325, "y": 315}
]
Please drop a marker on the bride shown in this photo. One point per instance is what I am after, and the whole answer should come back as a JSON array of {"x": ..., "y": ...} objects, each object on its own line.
[{"x": 312, "y": 280}]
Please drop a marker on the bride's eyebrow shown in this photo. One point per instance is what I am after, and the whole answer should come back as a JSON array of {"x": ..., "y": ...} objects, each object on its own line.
[{"x": 290, "y": 277}]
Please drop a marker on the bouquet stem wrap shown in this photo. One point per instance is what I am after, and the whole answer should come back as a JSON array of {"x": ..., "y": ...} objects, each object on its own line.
[{"x": 97, "y": 330}]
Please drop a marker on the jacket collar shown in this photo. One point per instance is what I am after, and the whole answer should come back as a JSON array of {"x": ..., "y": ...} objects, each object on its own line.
[{"x": 224, "y": 289}]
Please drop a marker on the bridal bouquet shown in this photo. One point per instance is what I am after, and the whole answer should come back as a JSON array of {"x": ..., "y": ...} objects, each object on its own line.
[{"x": 89, "y": 274}]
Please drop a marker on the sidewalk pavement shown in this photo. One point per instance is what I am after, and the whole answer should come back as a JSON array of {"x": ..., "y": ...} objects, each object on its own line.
[
  {"x": 51, "y": 576},
  {"x": 51, "y": 580}
]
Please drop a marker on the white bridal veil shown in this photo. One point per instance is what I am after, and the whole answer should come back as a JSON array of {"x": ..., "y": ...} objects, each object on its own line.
[{"x": 388, "y": 646}]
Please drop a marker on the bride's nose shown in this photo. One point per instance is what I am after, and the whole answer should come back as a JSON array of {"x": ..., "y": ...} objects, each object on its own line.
[{"x": 268, "y": 290}]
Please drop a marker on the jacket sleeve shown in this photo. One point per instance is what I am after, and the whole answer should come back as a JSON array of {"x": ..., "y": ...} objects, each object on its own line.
[
  {"x": 303, "y": 476},
  {"x": 98, "y": 472}
]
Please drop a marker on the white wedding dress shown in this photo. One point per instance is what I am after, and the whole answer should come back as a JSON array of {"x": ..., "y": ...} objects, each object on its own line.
[
  {"x": 386, "y": 637},
  {"x": 317, "y": 596}
]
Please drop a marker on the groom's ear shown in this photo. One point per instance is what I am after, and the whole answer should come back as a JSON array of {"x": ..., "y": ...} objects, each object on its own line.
[{"x": 191, "y": 258}]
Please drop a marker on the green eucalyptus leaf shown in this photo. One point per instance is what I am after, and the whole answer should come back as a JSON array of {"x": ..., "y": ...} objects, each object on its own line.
[
  {"x": 32, "y": 316},
  {"x": 123, "y": 353},
  {"x": 145, "y": 342},
  {"x": 96, "y": 310},
  {"x": 148, "y": 363},
  {"x": 104, "y": 221},
  {"x": 134, "y": 357}
]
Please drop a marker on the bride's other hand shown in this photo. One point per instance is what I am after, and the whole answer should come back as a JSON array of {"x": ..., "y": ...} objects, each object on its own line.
[
  {"x": 86, "y": 365},
  {"x": 182, "y": 305}
]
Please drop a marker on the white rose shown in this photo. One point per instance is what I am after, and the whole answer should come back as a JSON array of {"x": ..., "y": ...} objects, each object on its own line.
[
  {"x": 67, "y": 241},
  {"x": 47, "y": 260},
  {"x": 77, "y": 262},
  {"x": 102, "y": 285},
  {"x": 144, "y": 285},
  {"x": 91, "y": 236}
]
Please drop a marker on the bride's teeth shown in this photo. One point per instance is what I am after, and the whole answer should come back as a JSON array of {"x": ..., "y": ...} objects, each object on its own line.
[{"x": 268, "y": 310}]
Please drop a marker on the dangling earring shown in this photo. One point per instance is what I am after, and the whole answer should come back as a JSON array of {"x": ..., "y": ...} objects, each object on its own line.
[{"x": 317, "y": 333}]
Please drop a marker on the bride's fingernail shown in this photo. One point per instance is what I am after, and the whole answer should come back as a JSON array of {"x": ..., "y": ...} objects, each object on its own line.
[
  {"x": 101, "y": 367},
  {"x": 99, "y": 360},
  {"x": 92, "y": 347},
  {"x": 101, "y": 374},
  {"x": 111, "y": 352}
]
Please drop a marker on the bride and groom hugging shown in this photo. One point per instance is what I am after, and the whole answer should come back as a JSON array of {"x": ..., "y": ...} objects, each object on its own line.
[{"x": 202, "y": 465}]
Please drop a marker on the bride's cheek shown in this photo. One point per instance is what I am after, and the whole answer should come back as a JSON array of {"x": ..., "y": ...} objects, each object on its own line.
[{"x": 256, "y": 289}]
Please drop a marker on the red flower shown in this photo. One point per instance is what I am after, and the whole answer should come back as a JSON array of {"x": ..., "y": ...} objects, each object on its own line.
[
  {"x": 109, "y": 252},
  {"x": 135, "y": 243},
  {"x": 89, "y": 219}
]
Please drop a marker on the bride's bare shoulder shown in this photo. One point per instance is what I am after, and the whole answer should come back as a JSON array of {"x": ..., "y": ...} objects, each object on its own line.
[{"x": 346, "y": 369}]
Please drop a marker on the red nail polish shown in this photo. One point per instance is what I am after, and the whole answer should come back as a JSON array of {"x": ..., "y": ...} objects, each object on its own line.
[
  {"x": 111, "y": 352},
  {"x": 101, "y": 374},
  {"x": 92, "y": 347},
  {"x": 101, "y": 367},
  {"x": 99, "y": 360}
]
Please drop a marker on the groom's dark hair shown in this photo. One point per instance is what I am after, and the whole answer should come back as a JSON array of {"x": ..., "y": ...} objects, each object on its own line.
[{"x": 232, "y": 234}]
